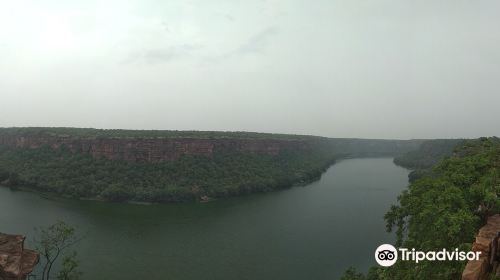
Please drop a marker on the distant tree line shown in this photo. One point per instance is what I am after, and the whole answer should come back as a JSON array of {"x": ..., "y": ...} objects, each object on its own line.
[
  {"x": 123, "y": 133},
  {"x": 428, "y": 154}
]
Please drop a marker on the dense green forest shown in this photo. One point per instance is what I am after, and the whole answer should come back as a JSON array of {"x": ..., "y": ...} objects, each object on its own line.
[
  {"x": 190, "y": 177},
  {"x": 444, "y": 209},
  {"x": 428, "y": 154},
  {"x": 226, "y": 173}
]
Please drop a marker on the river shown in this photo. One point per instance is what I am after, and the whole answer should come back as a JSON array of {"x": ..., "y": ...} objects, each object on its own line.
[{"x": 311, "y": 232}]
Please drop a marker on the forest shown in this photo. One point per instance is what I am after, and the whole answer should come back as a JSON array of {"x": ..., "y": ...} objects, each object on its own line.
[
  {"x": 443, "y": 209},
  {"x": 188, "y": 178},
  {"x": 428, "y": 154},
  {"x": 124, "y": 133}
]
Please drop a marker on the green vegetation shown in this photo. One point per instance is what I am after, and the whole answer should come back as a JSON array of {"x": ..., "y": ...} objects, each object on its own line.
[
  {"x": 69, "y": 270},
  {"x": 123, "y": 133},
  {"x": 444, "y": 210},
  {"x": 225, "y": 174},
  {"x": 426, "y": 156},
  {"x": 53, "y": 242},
  {"x": 352, "y": 274}
]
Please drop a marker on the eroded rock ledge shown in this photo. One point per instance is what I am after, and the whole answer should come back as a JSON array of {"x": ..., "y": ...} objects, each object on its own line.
[
  {"x": 487, "y": 242},
  {"x": 16, "y": 263},
  {"x": 153, "y": 149}
]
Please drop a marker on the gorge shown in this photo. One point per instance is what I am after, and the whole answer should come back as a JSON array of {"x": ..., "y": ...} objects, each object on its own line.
[
  {"x": 299, "y": 233},
  {"x": 451, "y": 177},
  {"x": 166, "y": 166}
]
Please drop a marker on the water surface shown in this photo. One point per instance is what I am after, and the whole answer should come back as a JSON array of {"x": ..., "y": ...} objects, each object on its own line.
[{"x": 310, "y": 232}]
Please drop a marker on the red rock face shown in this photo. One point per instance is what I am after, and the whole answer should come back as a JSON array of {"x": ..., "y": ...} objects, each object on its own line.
[
  {"x": 15, "y": 261},
  {"x": 487, "y": 242},
  {"x": 154, "y": 149}
]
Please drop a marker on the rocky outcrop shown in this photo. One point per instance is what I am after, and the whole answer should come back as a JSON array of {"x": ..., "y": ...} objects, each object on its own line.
[
  {"x": 16, "y": 263},
  {"x": 153, "y": 149},
  {"x": 158, "y": 146},
  {"x": 488, "y": 243}
]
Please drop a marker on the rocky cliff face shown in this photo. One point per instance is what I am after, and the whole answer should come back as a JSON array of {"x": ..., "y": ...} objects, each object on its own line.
[
  {"x": 153, "y": 149},
  {"x": 488, "y": 243},
  {"x": 15, "y": 261}
]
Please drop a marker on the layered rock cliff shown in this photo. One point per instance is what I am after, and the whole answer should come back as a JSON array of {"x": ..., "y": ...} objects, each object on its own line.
[
  {"x": 488, "y": 243},
  {"x": 134, "y": 146},
  {"x": 152, "y": 149},
  {"x": 15, "y": 261}
]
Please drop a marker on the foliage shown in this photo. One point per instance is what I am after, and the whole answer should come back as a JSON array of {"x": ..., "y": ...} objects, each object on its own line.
[
  {"x": 123, "y": 133},
  {"x": 447, "y": 209},
  {"x": 51, "y": 242},
  {"x": 428, "y": 154},
  {"x": 352, "y": 274},
  {"x": 444, "y": 209},
  {"x": 188, "y": 178},
  {"x": 69, "y": 270}
]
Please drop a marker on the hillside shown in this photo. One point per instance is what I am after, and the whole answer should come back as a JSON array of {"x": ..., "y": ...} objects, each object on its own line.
[
  {"x": 428, "y": 154},
  {"x": 167, "y": 166},
  {"x": 445, "y": 210}
]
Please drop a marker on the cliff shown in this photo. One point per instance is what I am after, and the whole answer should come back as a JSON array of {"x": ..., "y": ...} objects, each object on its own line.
[
  {"x": 15, "y": 261},
  {"x": 159, "y": 146},
  {"x": 180, "y": 166},
  {"x": 152, "y": 149},
  {"x": 488, "y": 243}
]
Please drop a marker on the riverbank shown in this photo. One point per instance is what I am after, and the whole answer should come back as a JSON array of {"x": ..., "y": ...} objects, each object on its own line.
[
  {"x": 171, "y": 166},
  {"x": 202, "y": 198},
  {"x": 294, "y": 234}
]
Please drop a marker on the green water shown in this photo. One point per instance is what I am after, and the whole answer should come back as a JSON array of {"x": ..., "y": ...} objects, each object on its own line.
[{"x": 311, "y": 232}]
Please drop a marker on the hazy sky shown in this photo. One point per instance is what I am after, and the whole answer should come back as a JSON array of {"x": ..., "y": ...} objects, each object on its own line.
[{"x": 365, "y": 68}]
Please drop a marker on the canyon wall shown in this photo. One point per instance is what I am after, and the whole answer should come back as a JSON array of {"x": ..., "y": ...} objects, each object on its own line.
[
  {"x": 153, "y": 149},
  {"x": 488, "y": 243},
  {"x": 158, "y": 146},
  {"x": 16, "y": 262}
]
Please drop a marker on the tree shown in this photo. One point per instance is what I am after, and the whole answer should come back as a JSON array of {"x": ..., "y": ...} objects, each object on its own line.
[
  {"x": 69, "y": 270},
  {"x": 454, "y": 202},
  {"x": 352, "y": 274},
  {"x": 51, "y": 242}
]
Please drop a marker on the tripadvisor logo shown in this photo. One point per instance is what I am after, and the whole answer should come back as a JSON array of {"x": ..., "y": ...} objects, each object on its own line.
[{"x": 387, "y": 255}]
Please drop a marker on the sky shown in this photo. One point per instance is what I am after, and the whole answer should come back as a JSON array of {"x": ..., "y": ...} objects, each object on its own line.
[{"x": 396, "y": 69}]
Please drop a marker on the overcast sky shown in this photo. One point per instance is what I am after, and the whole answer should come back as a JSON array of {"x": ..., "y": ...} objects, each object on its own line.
[{"x": 366, "y": 68}]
